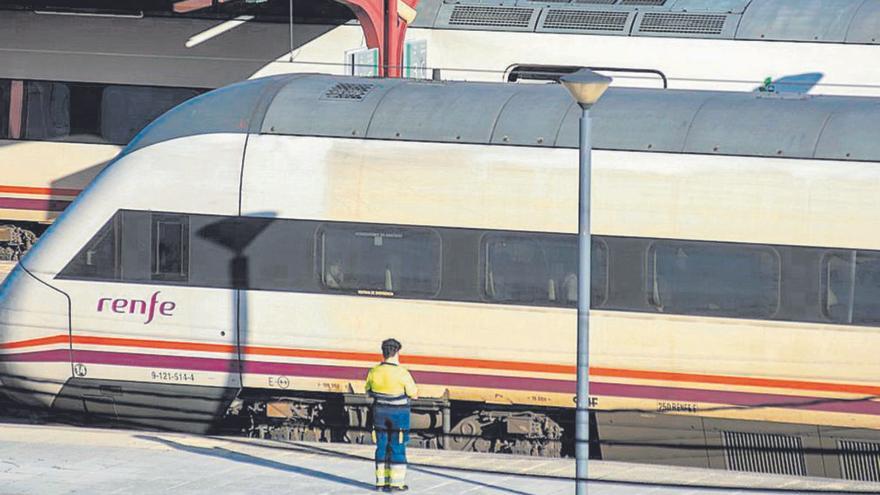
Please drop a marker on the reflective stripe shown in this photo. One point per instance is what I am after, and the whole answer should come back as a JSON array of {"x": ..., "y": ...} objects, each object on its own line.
[
  {"x": 389, "y": 400},
  {"x": 398, "y": 475},
  {"x": 383, "y": 474}
]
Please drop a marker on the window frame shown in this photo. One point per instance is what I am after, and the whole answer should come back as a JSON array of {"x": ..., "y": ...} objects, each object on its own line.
[
  {"x": 320, "y": 260},
  {"x": 650, "y": 270},
  {"x": 484, "y": 263},
  {"x": 156, "y": 220}
]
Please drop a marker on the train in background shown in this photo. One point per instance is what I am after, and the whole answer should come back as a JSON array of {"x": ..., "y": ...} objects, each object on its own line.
[
  {"x": 78, "y": 78},
  {"x": 736, "y": 272}
]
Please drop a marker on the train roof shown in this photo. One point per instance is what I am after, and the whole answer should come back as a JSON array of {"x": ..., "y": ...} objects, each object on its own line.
[
  {"x": 542, "y": 115},
  {"x": 829, "y": 21}
]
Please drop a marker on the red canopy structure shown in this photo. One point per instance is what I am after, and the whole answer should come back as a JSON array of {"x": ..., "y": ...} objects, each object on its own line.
[{"x": 384, "y": 23}]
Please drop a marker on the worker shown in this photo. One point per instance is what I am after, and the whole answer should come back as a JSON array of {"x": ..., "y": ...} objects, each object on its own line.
[{"x": 391, "y": 387}]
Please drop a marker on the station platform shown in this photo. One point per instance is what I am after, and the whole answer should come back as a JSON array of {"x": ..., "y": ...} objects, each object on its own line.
[{"x": 53, "y": 459}]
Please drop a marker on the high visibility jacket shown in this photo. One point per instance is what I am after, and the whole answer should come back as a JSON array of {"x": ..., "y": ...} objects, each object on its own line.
[{"x": 391, "y": 385}]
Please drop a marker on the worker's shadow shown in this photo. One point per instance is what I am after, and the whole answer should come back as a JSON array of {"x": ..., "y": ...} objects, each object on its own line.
[{"x": 230, "y": 455}]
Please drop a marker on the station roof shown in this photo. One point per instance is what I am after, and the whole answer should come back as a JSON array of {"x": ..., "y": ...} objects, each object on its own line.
[{"x": 542, "y": 115}]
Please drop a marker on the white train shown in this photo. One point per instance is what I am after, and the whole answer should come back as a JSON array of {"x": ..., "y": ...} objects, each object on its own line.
[
  {"x": 77, "y": 83},
  {"x": 244, "y": 255}
]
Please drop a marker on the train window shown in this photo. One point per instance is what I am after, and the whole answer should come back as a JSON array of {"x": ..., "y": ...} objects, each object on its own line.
[
  {"x": 47, "y": 110},
  {"x": 170, "y": 247},
  {"x": 540, "y": 269},
  {"x": 851, "y": 287},
  {"x": 101, "y": 258},
  {"x": 374, "y": 260},
  {"x": 85, "y": 112},
  {"x": 125, "y": 110},
  {"x": 713, "y": 279},
  {"x": 5, "y": 92}
]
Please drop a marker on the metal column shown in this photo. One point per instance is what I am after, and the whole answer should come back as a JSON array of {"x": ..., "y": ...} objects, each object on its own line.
[{"x": 582, "y": 414}]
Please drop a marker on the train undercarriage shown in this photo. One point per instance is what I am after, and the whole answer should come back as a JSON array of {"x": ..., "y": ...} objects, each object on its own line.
[{"x": 435, "y": 423}]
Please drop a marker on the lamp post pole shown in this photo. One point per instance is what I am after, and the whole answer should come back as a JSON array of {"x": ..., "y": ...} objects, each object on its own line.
[
  {"x": 586, "y": 87},
  {"x": 582, "y": 413}
]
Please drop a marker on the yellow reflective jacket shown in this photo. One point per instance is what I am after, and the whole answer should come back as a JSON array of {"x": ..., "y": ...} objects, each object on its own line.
[{"x": 391, "y": 385}]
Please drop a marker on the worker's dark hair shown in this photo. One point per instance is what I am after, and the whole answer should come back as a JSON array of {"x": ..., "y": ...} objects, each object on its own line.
[{"x": 390, "y": 347}]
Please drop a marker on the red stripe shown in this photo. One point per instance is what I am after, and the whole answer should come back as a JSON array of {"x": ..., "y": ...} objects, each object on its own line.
[{"x": 46, "y": 191}]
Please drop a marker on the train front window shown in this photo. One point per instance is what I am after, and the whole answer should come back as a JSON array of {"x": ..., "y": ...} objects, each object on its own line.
[
  {"x": 379, "y": 261},
  {"x": 539, "y": 269},
  {"x": 851, "y": 287},
  {"x": 101, "y": 258},
  {"x": 170, "y": 247},
  {"x": 713, "y": 279}
]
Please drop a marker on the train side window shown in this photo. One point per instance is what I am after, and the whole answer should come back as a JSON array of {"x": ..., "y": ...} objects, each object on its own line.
[
  {"x": 101, "y": 258},
  {"x": 376, "y": 260},
  {"x": 125, "y": 110},
  {"x": 851, "y": 287},
  {"x": 540, "y": 269},
  {"x": 713, "y": 279},
  {"x": 47, "y": 110},
  {"x": 5, "y": 92},
  {"x": 170, "y": 247}
]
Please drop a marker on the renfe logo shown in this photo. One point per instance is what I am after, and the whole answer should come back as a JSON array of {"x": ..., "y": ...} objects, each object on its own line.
[{"x": 137, "y": 306}]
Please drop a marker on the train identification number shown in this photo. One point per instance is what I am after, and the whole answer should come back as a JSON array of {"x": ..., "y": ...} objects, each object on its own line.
[
  {"x": 172, "y": 376},
  {"x": 664, "y": 406}
]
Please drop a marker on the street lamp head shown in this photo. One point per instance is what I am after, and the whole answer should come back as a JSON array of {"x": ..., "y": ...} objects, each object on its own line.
[{"x": 585, "y": 86}]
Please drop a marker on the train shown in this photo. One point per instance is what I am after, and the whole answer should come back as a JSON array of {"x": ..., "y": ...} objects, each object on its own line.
[
  {"x": 79, "y": 78},
  {"x": 242, "y": 258}
]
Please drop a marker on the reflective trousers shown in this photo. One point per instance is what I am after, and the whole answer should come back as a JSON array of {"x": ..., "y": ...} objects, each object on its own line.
[{"x": 391, "y": 430}]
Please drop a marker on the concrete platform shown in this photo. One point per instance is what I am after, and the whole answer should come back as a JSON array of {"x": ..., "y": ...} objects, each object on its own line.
[{"x": 46, "y": 460}]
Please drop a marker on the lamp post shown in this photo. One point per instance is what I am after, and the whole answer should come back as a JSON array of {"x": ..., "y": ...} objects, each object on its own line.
[{"x": 586, "y": 87}]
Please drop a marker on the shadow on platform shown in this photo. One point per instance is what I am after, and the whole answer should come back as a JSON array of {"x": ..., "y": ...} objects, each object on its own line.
[{"x": 230, "y": 455}]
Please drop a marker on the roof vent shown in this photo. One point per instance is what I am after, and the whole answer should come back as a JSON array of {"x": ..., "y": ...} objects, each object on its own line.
[
  {"x": 347, "y": 91},
  {"x": 764, "y": 453},
  {"x": 475, "y": 15},
  {"x": 585, "y": 20},
  {"x": 650, "y": 3},
  {"x": 681, "y": 23},
  {"x": 859, "y": 460},
  {"x": 603, "y": 2}
]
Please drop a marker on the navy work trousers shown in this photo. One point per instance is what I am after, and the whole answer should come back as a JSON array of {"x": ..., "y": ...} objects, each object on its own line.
[{"x": 391, "y": 424}]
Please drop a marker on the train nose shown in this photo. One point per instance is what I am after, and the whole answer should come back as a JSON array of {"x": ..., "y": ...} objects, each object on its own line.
[{"x": 34, "y": 339}]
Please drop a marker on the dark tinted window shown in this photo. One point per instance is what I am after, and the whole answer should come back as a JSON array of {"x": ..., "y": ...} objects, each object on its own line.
[
  {"x": 47, "y": 110},
  {"x": 372, "y": 259},
  {"x": 94, "y": 113},
  {"x": 713, "y": 279},
  {"x": 851, "y": 287},
  {"x": 170, "y": 257},
  {"x": 4, "y": 108},
  {"x": 539, "y": 269},
  {"x": 101, "y": 258},
  {"x": 125, "y": 110}
]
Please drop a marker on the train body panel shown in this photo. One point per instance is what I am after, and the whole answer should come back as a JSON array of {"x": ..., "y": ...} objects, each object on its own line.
[
  {"x": 35, "y": 353},
  {"x": 394, "y": 182},
  {"x": 44, "y": 184}
]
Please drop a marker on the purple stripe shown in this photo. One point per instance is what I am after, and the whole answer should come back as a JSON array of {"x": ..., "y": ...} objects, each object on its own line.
[
  {"x": 33, "y": 204},
  {"x": 60, "y": 355},
  {"x": 427, "y": 377},
  {"x": 747, "y": 399},
  {"x": 743, "y": 399}
]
